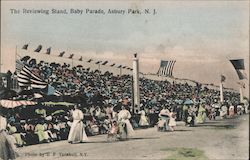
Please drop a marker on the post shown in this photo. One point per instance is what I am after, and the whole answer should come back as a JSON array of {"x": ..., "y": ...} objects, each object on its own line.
[
  {"x": 241, "y": 94},
  {"x": 136, "y": 84},
  {"x": 221, "y": 93},
  {"x": 120, "y": 71}
]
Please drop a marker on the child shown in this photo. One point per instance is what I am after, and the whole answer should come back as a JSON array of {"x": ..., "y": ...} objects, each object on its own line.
[{"x": 113, "y": 131}]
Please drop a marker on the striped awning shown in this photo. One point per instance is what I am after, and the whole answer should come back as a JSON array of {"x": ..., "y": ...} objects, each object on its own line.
[{"x": 13, "y": 104}]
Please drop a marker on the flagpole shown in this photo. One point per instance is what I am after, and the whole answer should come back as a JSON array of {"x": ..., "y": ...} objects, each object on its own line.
[
  {"x": 136, "y": 83},
  {"x": 221, "y": 92},
  {"x": 241, "y": 92}
]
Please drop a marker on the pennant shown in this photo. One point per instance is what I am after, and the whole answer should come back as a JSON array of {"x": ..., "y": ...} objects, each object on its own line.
[
  {"x": 90, "y": 60},
  {"x": 38, "y": 49},
  {"x": 238, "y": 63},
  {"x": 61, "y": 54},
  {"x": 25, "y": 46},
  {"x": 48, "y": 50},
  {"x": 112, "y": 64},
  {"x": 223, "y": 78},
  {"x": 80, "y": 59},
  {"x": 98, "y": 62},
  {"x": 71, "y": 56},
  {"x": 105, "y": 62}
]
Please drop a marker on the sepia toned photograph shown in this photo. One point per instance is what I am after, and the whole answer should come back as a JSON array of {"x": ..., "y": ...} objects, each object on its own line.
[{"x": 124, "y": 80}]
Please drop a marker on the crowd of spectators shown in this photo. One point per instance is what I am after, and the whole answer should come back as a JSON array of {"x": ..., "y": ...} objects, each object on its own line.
[{"x": 100, "y": 96}]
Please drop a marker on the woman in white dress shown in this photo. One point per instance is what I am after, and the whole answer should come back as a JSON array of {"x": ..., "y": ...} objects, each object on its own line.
[
  {"x": 77, "y": 131},
  {"x": 143, "y": 119},
  {"x": 124, "y": 116}
]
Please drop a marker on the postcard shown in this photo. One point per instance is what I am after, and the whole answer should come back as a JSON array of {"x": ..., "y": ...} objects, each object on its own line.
[{"x": 126, "y": 79}]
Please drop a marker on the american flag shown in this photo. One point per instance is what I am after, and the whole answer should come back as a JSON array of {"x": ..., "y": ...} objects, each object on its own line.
[
  {"x": 26, "y": 78},
  {"x": 166, "y": 68}
]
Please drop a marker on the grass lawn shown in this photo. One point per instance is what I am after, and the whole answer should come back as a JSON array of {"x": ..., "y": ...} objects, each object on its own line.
[{"x": 185, "y": 154}]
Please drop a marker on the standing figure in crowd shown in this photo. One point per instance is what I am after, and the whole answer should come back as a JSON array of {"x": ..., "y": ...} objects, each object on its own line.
[
  {"x": 172, "y": 122},
  {"x": 77, "y": 131},
  {"x": 7, "y": 149},
  {"x": 164, "y": 116},
  {"x": 223, "y": 111},
  {"x": 201, "y": 114},
  {"x": 143, "y": 119},
  {"x": 231, "y": 111},
  {"x": 124, "y": 116}
]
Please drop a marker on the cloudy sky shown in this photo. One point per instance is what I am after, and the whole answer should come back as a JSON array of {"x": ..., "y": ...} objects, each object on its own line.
[{"x": 200, "y": 35}]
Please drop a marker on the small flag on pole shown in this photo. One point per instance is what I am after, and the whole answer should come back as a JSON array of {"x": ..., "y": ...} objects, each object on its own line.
[
  {"x": 98, "y": 62},
  {"x": 112, "y": 64},
  {"x": 48, "y": 50},
  {"x": 239, "y": 67},
  {"x": 25, "y": 46},
  {"x": 80, "y": 59},
  {"x": 38, "y": 49},
  {"x": 119, "y": 66},
  {"x": 61, "y": 54},
  {"x": 105, "y": 62},
  {"x": 223, "y": 78},
  {"x": 71, "y": 56},
  {"x": 90, "y": 60}
]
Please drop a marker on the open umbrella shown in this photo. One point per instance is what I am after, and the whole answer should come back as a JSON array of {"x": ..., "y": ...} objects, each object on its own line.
[
  {"x": 32, "y": 61},
  {"x": 188, "y": 102},
  {"x": 79, "y": 66}
]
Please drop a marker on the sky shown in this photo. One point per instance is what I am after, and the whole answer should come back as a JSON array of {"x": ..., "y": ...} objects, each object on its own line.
[{"x": 200, "y": 35}]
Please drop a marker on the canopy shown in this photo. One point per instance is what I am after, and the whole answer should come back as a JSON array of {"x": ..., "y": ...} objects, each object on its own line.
[
  {"x": 13, "y": 104},
  {"x": 59, "y": 103}
]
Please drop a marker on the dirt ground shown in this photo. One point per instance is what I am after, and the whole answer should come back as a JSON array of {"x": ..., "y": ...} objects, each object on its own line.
[{"x": 220, "y": 139}]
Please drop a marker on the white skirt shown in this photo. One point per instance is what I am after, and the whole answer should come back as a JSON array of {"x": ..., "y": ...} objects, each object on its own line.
[{"x": 77, "y": 132}]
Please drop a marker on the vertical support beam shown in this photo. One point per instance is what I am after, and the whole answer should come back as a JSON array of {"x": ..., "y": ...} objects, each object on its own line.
[
  {"x": 136, "y": 88},
  {"x": 241, "y": 94},
  {"x": 221, "y": 93}
]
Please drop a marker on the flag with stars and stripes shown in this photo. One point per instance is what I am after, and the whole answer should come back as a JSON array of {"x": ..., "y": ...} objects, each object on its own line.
[{"x": 166, "y": 68}]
